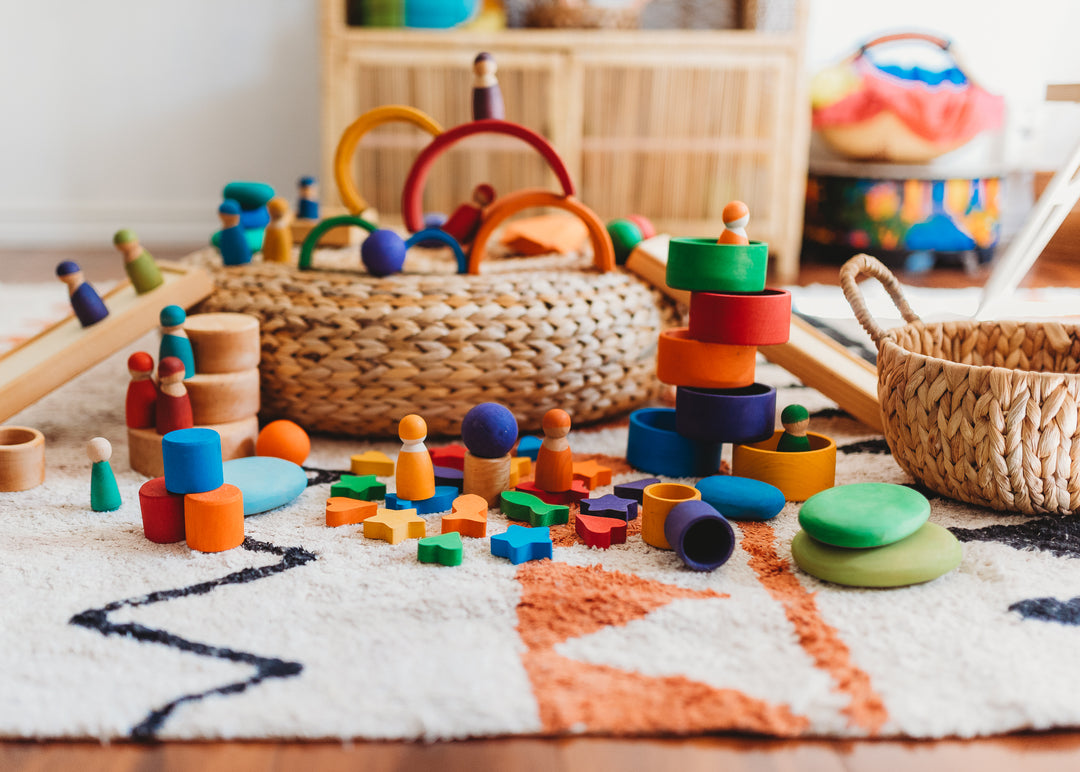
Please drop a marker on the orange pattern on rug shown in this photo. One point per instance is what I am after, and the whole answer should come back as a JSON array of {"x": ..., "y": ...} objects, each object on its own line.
[
  {"x": 820, "y": 640},
  {"x": 559, "y": 602}
]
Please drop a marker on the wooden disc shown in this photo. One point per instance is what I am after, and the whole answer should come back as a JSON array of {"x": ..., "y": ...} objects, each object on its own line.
[
  {"x": 224, "y": 342},
  {"x": 223, "y": 397}
]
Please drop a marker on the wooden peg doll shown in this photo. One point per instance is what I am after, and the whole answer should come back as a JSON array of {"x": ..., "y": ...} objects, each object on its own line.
[
  {"x": 487, "y": 101},
  {"x": 307, "y": 205},
  {"x": 414, "y": 474},
  {"x": 277, "y": 238},
  {"x": 233, "y": 244},
  {"x": 173, "y": 403},
  {"x": 85, "y": 301},
  {"x": 465, "y": 221},
  {"x": 138, "y": 263},
  {"x": 174, "y": 341},
  {"x": 104, "y": 493},
  {"x": 554, "y": 460},
  {"x": 796, "y": 420},
  {"x": 736, "y": 216},
  {"x": 141, "y": 393}
]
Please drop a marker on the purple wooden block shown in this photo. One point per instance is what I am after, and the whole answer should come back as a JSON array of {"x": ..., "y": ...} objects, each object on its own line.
[
  {"x": 444, "y": 475},
  {"x": 610, "y": 506},
  {"x": 700, "y": 535},
  {"x": 634, "y": 490}
]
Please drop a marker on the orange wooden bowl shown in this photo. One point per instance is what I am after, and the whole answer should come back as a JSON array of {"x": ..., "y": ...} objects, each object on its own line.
[{"x": 683, "y": 361}]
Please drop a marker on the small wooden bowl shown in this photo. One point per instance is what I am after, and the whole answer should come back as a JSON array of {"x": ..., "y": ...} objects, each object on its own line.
[
  {"x": 657, "y": 501},
  {"x": 683, "y": 361},
  {"x": 22, "y": 458},
  {"x": 702, "y": 265},
  {"x": 798, "y": 475}
]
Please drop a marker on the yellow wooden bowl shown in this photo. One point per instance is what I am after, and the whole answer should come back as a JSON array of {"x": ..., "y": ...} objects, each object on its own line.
[
  {"x": 798, "y": 475},
  {"x": 656, "y": 502}
]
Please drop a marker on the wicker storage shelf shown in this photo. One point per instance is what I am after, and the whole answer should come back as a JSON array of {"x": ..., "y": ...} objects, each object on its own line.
[
  {"x": 347, "y": 353},
  {"x": 983, "y": 412},
  {"x": 670, "y": 124}
]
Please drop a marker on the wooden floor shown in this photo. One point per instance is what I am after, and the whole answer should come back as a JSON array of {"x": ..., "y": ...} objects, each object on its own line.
[{"x": 1059, "y": 266}]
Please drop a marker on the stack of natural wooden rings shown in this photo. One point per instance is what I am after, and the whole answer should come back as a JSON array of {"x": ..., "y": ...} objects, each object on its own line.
[{"x": 712, "y": 360}]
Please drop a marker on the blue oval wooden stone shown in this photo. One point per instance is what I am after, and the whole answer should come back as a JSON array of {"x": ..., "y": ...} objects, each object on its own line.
[
  {"x": 930, "y": 552},
  {"x": 741, "y": 498},
  {"x": 265, "y": 481},
  {"x": 864, "y": 515}
]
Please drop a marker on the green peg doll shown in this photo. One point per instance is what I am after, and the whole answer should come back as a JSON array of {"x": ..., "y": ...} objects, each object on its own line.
[
  {"x": 104, "y": 493},
  {"x": 796, "y": 420}
]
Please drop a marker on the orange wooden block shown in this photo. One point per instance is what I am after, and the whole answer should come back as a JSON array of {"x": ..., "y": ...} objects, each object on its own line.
[
  {"x": 544, "y": 234},
  {"x": 345, "y": 511},
  {"x": 468, "y": 517},
  {"x": 683, "y": 361},
  {"x": 395, "y": 525},
  {"x": 592, "y": 474},
  {"x": 214, "y": 520}
]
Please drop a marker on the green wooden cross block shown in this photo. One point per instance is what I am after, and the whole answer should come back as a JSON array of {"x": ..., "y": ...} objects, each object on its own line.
[
  {"x": 445, "y": 549},
  {"x": 518, "y": 505},
  {"x": 364, "y": 488}
]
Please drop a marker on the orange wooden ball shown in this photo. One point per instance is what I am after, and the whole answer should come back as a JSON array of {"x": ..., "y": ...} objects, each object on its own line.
[{"x": 283, "y": 439}]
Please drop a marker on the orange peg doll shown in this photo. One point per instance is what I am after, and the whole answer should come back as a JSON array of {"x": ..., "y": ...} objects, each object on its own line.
[
  {"x": 277, "y": 238},
  {"x": 554, "y": 460},
  {"x": 736, "y": 215},
  {"x": 173, "y": 403},
  {"x": 414, "y": 475},
  {"x": 141, "y": 394}
]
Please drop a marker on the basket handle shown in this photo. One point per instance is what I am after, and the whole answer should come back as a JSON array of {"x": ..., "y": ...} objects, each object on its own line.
[
  {"x": 941, "y": 43},
  {"x": 864, "y": 265}
]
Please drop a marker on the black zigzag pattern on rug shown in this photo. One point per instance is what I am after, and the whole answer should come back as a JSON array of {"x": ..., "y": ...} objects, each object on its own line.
[
  {"x": 265, "y": 667},
  {"x": 1067, "y": 612},
  {"x": 1060, "y": 536}
]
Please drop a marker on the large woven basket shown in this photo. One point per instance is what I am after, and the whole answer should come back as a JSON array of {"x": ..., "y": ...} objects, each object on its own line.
[
  {"x": 983, "y": 412},
  {"x": 347, "y": 353}
]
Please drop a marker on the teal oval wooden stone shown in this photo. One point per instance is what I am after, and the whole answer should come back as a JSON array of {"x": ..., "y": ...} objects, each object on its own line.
[
  {"x": 930, "y": 552},
  {"x": 740, "y": 498},
  {"x": 250, "y": 195},
  {"x": 864, "y": 515},
  {"x": 265, "y": 481}
]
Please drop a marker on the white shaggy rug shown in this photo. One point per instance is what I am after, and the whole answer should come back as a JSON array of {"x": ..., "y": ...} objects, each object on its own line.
[{"x": 312, "y": 632}]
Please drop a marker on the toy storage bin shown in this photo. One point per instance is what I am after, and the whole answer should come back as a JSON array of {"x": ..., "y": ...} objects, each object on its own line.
[
  {"x": 983, "y": 412},
  {"x": 347, "y": 353},
  {"x": 897, "y": 211}
]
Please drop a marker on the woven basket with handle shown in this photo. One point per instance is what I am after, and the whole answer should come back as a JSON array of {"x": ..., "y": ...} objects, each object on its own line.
[
  {"x": 983, "y": 412},
  {"x": 344, "y": 352}
]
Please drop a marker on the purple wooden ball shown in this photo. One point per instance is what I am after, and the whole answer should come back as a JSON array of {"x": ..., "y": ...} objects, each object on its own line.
[
  {"x": 489, "y": 430},
  {"x": 383, "y": 252}
]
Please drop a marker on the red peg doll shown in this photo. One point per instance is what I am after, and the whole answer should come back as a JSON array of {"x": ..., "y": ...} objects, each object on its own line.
[
  {"x": 139, "y": 408},
  {"x": 173, "y": 403}
]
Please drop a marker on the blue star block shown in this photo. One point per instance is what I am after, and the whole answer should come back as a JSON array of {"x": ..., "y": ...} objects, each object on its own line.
[
  {"x": 610, "y": 506},
  {"x": 364, "y": 487},
  {"x": 445, "y": 475},
  {"x": 519, "y": 544},
  {"x": 635, "y": 490},
  {"x": 442, "y": 501},
  {"x": 529, "y": 446}
]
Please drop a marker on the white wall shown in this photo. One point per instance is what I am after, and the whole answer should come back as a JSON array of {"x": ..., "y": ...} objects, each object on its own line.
[{"x": 134, "y": 113}]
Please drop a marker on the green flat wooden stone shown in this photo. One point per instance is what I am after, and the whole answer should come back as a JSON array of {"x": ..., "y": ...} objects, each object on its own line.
[
  {"x": 446, "y": 549},
  {"x": 930, "y": 552},
  {"x": 518, "y": 505},
  {"x": 702, "y": 265},
  {"x": 864, "y": 515}
]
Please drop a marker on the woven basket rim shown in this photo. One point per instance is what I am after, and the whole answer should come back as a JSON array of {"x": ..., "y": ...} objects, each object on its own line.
[{"x": 889, "y": 339}]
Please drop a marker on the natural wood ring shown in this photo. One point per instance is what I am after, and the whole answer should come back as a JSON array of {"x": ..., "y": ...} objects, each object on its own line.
[{"x": 22, "y": 458}]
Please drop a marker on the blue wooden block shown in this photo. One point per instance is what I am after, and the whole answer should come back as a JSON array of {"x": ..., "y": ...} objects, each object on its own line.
[
  {"x": 529, "y": 447},
  {"x": 635, "y": 490},
  {"x": 654, "y": 446},
  {"x": 444, "y": 475},
  {"x": 192, "y": 459},
  {"x": 610, "y": 506},
  {"x": 266, "y": 482},
  {"x": 442, "y": 501},
  {"x": 519, "y": 544},
  {"x": 740, "y": 498}
]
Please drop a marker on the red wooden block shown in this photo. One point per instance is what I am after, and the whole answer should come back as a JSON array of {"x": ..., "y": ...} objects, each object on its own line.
[
  {"x": 451, "y": 456},
  {"x": 162, "y": 512},
  {"x": 341, "y": 510},
  {"x": 578, "y": 491},
  {"x": 600, "y": 532},
  {"x": 469, "y": 516}
]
